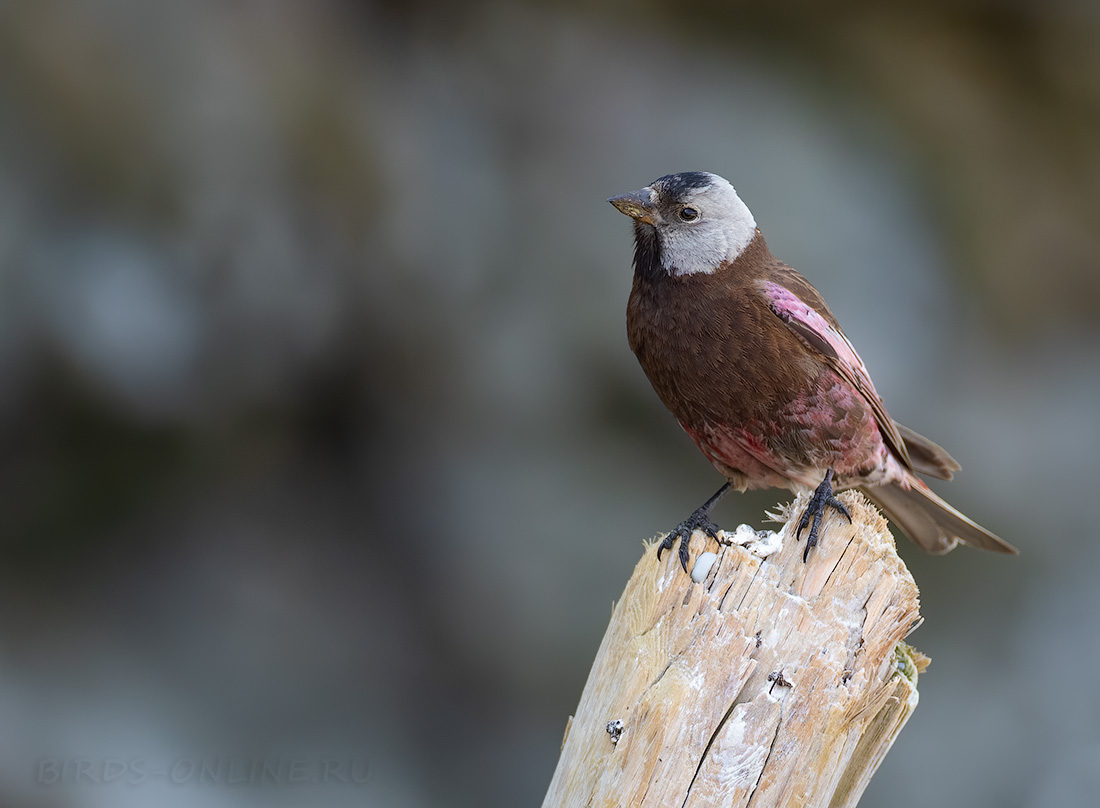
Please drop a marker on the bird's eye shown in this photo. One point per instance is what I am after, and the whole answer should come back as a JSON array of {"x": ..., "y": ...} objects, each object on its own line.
[{"x": 688, "y": 214}]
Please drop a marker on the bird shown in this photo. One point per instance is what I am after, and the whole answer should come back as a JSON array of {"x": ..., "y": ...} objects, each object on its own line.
[{"x": 747, "y": 356}]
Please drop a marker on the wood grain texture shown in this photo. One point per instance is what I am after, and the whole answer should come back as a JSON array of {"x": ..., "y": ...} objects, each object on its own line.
[{"x": 693, "y": 672}]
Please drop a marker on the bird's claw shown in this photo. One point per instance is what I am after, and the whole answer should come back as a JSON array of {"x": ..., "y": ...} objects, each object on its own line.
[
  {"x": 699, "y": 520},
  {"x": 823, "y": 498}
]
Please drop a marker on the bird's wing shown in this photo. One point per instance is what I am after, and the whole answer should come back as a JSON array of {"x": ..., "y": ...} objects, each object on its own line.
[
  {"x": 928, "y": 457},
  {"x": 829, "y": 341}
]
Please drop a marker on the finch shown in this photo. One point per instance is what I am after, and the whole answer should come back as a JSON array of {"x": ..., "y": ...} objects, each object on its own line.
[{"x": 745, "y": 353}]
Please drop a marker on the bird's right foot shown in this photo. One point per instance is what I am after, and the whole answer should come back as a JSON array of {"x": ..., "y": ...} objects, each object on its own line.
[{"x": 823, "y": 498}]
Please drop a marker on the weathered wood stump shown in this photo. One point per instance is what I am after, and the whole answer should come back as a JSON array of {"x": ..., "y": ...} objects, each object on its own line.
[{"x": 769, "y": 682}]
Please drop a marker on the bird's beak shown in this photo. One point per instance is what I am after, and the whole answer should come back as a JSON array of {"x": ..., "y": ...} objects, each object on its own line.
[{"x": 638, "y": 205}]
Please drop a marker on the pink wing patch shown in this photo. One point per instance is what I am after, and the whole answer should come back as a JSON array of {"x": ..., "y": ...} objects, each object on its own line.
[{"x": 819, "y": 335}]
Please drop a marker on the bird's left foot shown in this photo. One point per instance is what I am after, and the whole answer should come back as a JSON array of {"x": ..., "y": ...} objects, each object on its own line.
[
  {"x": 699, "y": 520},
  {"x": 823, "y": 498}
]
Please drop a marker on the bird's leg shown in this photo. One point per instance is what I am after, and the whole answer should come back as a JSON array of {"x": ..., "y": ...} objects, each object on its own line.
[
  {"x": 823, "y": 498},
  {"x": 699, "y": 520}
]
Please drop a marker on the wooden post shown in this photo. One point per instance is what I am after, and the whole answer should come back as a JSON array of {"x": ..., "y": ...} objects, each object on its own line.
[{"x": 770, "y": 682}]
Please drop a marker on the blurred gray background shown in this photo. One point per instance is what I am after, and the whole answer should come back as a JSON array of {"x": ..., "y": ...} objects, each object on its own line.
[{"x": 319, "y": 432}]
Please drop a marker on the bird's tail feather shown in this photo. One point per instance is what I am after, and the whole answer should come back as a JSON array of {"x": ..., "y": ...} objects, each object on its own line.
[{"x": 931, "y": 523}]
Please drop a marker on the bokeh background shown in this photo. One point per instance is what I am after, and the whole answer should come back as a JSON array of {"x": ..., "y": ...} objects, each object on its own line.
[{"x": 318, "y": 427}]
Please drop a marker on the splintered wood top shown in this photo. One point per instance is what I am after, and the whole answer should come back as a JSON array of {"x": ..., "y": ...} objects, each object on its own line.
[{"x": 772, "y": 682}]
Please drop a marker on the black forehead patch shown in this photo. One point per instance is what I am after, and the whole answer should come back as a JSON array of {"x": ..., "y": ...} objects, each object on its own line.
[{"x": 673, "y": 186}]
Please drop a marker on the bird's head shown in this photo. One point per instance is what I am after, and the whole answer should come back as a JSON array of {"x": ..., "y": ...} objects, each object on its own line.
[{"x": 696, "y": 219}]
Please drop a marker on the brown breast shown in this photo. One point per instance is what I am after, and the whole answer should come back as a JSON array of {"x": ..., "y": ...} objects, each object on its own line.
[
  {"x": 725, "y": 364},
  {"x": 710, "y": 345}
]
